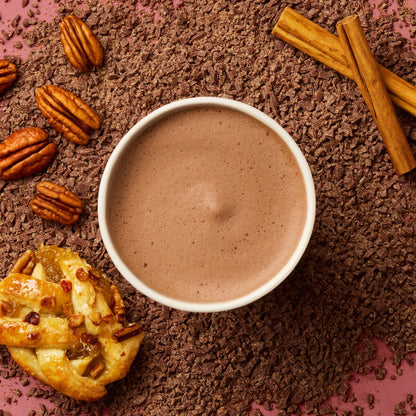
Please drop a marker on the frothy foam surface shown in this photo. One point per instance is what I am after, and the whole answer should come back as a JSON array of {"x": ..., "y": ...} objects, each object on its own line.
[{"x": 208, "y": 206}]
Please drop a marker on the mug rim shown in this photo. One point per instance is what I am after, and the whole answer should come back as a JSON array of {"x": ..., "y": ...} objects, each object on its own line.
[{"x": 149, "y": 120}]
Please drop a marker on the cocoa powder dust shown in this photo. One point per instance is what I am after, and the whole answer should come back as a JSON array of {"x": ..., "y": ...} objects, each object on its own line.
[{"x": 357, "y": 279}]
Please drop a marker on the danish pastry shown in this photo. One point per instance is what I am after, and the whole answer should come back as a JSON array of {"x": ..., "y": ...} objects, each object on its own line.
[{"x": 64, "y": 323}]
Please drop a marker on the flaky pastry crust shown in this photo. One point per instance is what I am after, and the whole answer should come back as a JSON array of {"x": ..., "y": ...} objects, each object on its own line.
[{"x": 64, "y": 324}]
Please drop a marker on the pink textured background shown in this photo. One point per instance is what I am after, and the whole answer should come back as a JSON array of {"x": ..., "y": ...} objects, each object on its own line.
[{"x": 387, "y": 393}]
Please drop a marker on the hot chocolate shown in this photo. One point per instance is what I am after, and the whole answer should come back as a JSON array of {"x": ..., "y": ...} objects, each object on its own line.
[{"x": 208, "y": 206}]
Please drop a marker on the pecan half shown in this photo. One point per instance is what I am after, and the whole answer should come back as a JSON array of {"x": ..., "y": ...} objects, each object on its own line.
[
  {"x": 81, "y": 275},
  {"x": 76, "y": 320},
  {"x": 127, "y": 332},
  {"x": 67, "y": 113},
  {"x": 25, "y": 263},
  {"x": 66, "y": 285},
  {"x": 56, "y": 203},
  {"x": 117, "y": 304},
  {"x": 81, "y": 46},
  {"x": 25, "y": 152},
  {"x": 97, "y": 369},
  {"x": 8, "y": 74}
]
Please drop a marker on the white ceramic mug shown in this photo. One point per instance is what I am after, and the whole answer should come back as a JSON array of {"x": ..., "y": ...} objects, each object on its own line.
[{"x": 113, "y": 165}]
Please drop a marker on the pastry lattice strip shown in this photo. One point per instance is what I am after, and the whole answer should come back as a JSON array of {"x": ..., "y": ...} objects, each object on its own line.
[{"x": 66, "y": 334}]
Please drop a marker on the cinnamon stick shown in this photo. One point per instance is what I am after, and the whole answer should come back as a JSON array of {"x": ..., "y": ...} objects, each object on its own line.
[
  {"x": 325, "y": 47},
  {"x": 366, "y": 73}
]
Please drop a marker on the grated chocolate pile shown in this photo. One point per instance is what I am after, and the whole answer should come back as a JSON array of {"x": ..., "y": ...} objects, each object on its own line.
[{"x": 357, "y": 279}]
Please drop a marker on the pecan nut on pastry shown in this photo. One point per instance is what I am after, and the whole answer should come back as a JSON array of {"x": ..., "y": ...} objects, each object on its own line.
[
  {"x": 56, "y": 203},
  {"x": 67, "y": 113},
  {"x": 25, "y": 152},
  {"x": 8, "y": 74},
  {"x": 58, "y": 318},
  {"x": 81, "y": 46}
]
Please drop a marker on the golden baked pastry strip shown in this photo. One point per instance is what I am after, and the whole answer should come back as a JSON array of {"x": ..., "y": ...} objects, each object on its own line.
[
  {"x": 69, "y": 333},
  {"x": 50, "y": 332},
  {"x": 35, "y": 293},
  {"x": 22, "y": 297}
]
